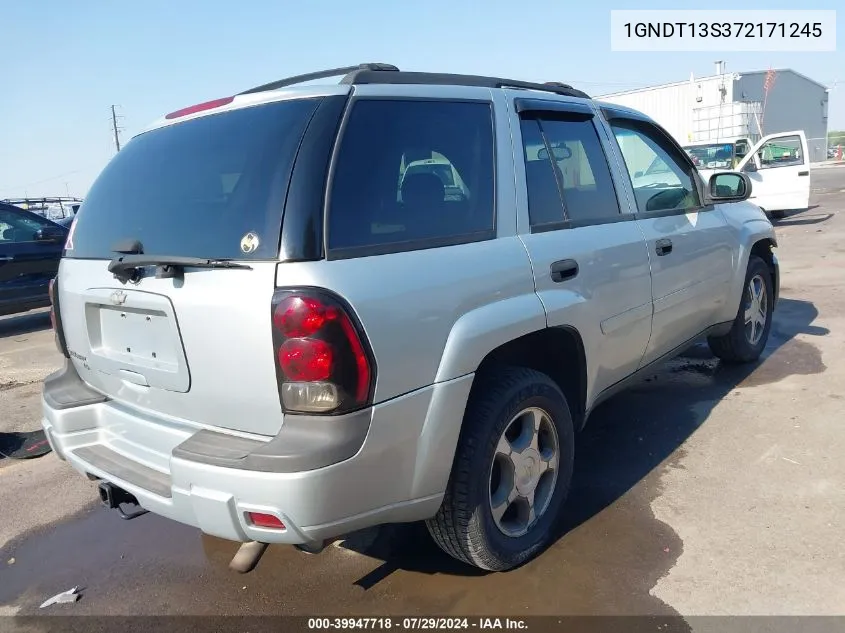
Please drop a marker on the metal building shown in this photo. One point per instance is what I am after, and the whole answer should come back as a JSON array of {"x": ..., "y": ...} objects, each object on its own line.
[{"x": 728, "y": 106}]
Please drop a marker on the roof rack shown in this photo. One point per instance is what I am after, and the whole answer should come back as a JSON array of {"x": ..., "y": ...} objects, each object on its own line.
[
  {"x": 376, "y": 73},
  {"x": 320, "y": 74}
]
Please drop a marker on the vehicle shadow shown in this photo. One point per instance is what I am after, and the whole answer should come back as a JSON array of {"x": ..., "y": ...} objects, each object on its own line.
[
  {"x": 25, "y": 323},
  {"x": 799, "y": 219},
  {"x": 626, "y": 438}
]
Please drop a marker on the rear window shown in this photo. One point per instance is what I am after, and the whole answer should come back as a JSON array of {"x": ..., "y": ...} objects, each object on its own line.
[
  {"x": 211, "y": 187},
  {"x": 411, "y": 175}
]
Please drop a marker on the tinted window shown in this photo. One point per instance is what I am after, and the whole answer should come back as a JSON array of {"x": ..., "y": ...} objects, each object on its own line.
[
  {"x": 669, "y": 187},
  {"x": 544, "y": 202},
  {"x": 415, "y": 172},
  {"x": 19, "y": 227},
  {"x": 197, "y": 188},
  {"x": 578, "y": 163}
]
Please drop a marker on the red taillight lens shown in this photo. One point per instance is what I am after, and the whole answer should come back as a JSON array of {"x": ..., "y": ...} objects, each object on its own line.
[
  {"x": 323, "y": 362},
  {"x": 56, "y": 317},
  {"x": 200, "y": 107},
  {"x": 51, "y": 294},
  {"x": 306, "y": 360},
  {"x": 262, "y": 520},
  {"x": 301, "y": 316}
]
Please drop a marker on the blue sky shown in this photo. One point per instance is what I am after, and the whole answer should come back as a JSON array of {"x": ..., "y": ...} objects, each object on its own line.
[{"x": 64, "y": 63}]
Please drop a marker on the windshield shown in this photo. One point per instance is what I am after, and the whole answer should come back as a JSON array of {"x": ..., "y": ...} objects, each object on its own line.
[
  {"x": 211, "y": 187},
  {"x": 714, "y": 156}
]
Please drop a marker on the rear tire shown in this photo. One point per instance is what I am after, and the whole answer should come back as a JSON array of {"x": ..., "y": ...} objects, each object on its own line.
[
  {"x": 501, "y": 463},
  {"x": 777, "y": 215},
  {"x": 749, "y": 333}
]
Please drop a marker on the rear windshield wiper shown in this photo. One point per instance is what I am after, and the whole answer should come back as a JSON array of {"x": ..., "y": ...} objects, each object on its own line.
[{"x": 126, "y": 268}]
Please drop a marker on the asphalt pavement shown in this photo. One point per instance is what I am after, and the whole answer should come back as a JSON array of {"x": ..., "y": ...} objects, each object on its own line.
[{"x": 705, "y": 490}]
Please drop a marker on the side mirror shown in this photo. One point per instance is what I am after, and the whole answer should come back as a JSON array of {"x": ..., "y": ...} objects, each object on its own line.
[
  {"x": 750, "y": 167},
  {"x": 50, "y": 234},
  {"x": 638, "y": 174},
  {"x": 729, "y": 186}
]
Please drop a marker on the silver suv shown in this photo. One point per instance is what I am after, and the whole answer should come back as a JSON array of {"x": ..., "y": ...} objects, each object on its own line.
[{"x": 276, "y": 336}]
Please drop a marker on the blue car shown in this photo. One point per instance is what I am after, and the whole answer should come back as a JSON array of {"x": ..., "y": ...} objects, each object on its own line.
[{"x": 30, "y": 249}]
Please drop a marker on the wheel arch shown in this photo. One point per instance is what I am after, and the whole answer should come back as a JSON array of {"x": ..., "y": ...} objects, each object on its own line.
[
  {"x": 755, "y": 236},
  {"x": 544, "y": 349},
  {"x": 764, "y": 249},
  {"x": 557, "y": 352}
]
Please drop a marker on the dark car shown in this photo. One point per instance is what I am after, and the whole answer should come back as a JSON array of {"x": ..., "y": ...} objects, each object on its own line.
[{"x": 30, "y": 249}]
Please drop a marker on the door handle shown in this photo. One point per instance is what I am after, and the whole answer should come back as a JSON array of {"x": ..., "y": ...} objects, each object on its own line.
[
  {"x": 663, "y": 247},
  {"x": 803, "y": 173},
  {"x": 5, "y": 258},
  {"x": 563, "y": 270}
]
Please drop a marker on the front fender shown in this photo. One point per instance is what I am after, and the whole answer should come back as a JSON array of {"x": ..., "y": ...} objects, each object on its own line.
[{"x": 751, "y": 226}]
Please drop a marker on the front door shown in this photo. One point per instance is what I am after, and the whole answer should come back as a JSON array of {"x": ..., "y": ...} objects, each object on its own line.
[
  {"x": 690, "y": 244},
  {"x": 779, "y": 169}
]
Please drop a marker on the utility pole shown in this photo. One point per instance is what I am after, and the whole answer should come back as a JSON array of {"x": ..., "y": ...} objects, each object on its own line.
[{"x": 115, "y": 128}]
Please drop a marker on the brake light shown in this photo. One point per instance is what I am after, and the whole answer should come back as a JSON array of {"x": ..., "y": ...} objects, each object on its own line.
[
  {"x": 200, "y": 107},
  {"x": 52, "y": 293},
  {"x": 56, "y": 318},
  {"x": 323, "y": 360},
  {"x": 305, "y": 359}
]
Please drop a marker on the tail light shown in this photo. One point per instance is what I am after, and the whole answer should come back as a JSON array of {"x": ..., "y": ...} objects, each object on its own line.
[
  {"x": 323, "y": 361},
  {"x": 56, "y": 317}
]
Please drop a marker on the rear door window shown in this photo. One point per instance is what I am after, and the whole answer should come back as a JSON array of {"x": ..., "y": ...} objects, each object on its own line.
[
  {"x": 412, "y": 174},
  {"x": 211, "y": 187},
  {"x": 566, "y": 157}
]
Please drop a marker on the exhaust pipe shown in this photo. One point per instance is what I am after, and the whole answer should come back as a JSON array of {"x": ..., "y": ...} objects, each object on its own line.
[
  {"x": 113, "y": 497},
  {"x": 247, "y": 556},
  {"x": 312, "y": 547}
]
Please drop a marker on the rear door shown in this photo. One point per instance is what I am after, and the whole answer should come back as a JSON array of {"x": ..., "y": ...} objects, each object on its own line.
[
  {"x": 779, "y": 169},
  {"x": 691, "y": 246},
  {"x": 591, "y": 264},
  {"x": 195, "y": 347}
]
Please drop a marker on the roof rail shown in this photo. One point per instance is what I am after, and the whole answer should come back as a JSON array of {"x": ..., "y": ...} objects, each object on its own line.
[
  {"x": 376, "y": 73},
  {"x": 320, "y": 74},
  {"x": 375, "y": 76}
]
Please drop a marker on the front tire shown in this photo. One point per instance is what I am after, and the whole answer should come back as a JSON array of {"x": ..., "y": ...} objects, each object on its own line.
[
  {"x": 511, "y": 473},
  {"x": 750, "y": 330}
]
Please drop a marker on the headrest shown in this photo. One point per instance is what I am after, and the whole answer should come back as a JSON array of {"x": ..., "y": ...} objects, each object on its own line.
[{"x": 421, "y": 189}]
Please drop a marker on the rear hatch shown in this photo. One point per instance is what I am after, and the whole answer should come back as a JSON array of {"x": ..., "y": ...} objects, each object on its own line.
[{"x": 192, "y": 341}]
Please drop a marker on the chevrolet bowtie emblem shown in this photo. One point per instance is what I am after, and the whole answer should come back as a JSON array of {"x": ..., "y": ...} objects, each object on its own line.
[{"x": 118, "y": 297}]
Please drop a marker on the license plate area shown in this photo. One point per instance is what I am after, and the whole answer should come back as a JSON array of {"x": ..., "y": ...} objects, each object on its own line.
[
  {"x": 140, "y": 338},
  {"x": 137, "y": 341}
]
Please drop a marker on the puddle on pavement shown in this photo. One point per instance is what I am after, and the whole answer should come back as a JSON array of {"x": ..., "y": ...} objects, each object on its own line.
[
  {"x": 611, "y": 553},
  {"x": 791, "y": 358}
]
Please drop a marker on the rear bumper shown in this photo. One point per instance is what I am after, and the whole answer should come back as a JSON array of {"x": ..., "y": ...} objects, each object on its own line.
[{"x": 308, "y": 476}]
